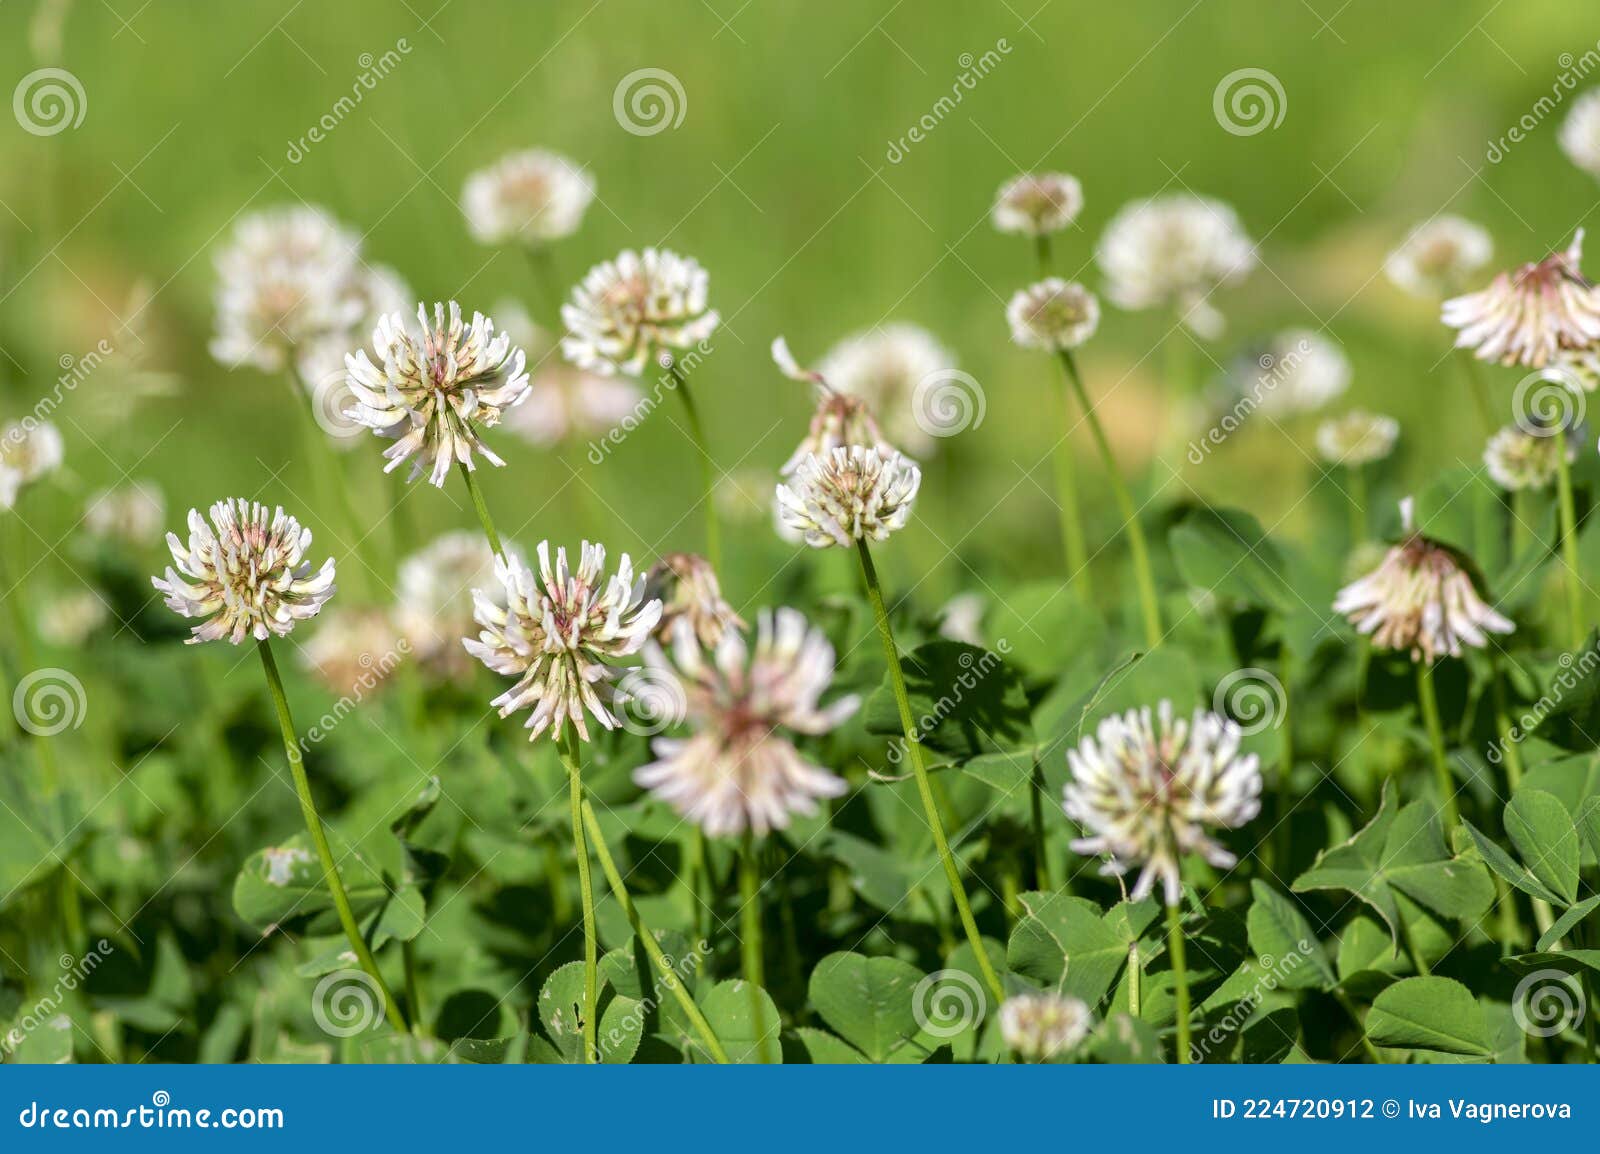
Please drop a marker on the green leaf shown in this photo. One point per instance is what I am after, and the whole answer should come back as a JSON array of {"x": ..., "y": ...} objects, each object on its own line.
[
  {"x": 867, "y": 1001},
  {"x": 1282, "y": 939},
  {"x": 1065, "y": 942},
  {"x": 1124, "y": 1040},
  {"x": 36, "y": 835},
  {"x": 1508, "y": 867},
  {"x": 1546, "y": 839},
  {"x": 621, "y": 1028},
  {"x": 561, "y": 1010},
  {"x": 727, "y": 1007},
  {"x": 1429, "y": 1013},
  {"x": 965, "y": 701},
  {"x": 1366, "y": 948},
  {"x": 1226, "y": 552},
  {"x": 827, "y": 1050},
  {"x": 1567, "y": 961},
  {"x": 1563, "y": 925},
  {"x": 1043, "y": 624},
  {"x": 283, "y": 886},
  {"x": 1571, "y": 698}
]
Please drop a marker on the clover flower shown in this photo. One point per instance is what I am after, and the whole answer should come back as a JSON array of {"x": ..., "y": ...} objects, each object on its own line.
[
  {"x": 71, "y": 618},
  {"x": 1518, "y": 459},
  {"x": 529, "y": 197},
  {"x": 559, "y": 634},
  {"x": 1037, "y": 1027},
  {"x": 29, "y": 451},
  {"x": 1528, "y": 316},
  {"x": 131, "y": 514},
  {"x": 884, "y": 367},
  {"x": 839, "y": 419},
  {"x": 247, "y": 573},
  {"x": 1439, "y": 256},
  {"x": 1357, "y": 438},
  {"x": 1420, "y": 598},
  {"x": 1053, "y": 314},
  {"x": 1173, "y": 252},
  {"x": 739, "y": 771},
  {"x": 434, "y": 382},
  {"x": 641, "y": 301},
  {"x": 565, "y": 401},
  {"x": 849, "y": 494},
  {"x": 1038, "y": 203},
  {"x": 434, "y": 599},
  {"x": 353, "y": 650},
  {"x": 1301, "y": 371},
  {"x": 688, "y": 590},
  {"x": 1147, "y": 790},
  {"x": 1580, "y": 133}
]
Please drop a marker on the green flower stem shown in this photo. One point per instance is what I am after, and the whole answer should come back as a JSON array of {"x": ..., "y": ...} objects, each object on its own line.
[
  {"x": 482, "y": 508},
  {"x": 319, "y": 838},
  {"x": 1358, "y": 505},
  {"x": 1041, "y": 855},
  {"x": 1569, "y": 550},
  {"x": 1343, "y": 999},
  {"x": 750, "y": 946},
  {"x": 665, "y": 973},
  {"x": 1180, "y": 980},
  {"x": 1135, "y": 979},
  {"x": 708, "y": 467},
  {"x": 591, "y": 948},
  {"x": 1478, "y": 386},
  {"x": 1280, "y": 834},
  {"x": 546, "y": 283},
  {"x": 408, "y": 958},
  {"x": 1071, "y": 513},
  {"x": 1148, "y": 602},
  {"x": 1041, "y": 249},
  {"x": 1441, "y": 767},
  {"x": 327, "y": 472},
  {"x": 897, "y": 680}
]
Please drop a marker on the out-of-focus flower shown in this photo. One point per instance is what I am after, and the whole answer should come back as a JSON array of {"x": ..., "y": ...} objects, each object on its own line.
[
  {"x": 70, "y": 619},
  {"x": 1053, "y": 314},
  {"x": 1147, "y": 791},
  {"x": 1580, "y": 133},
  {"x": 434, "y": 599},
  {"x": 883, "y": 367},
  {"x": 1357, "y": 438},
  {"x": 1038, "y": 203},
  {"x": 849, "y": 494},
  {"x": 559, "y": 634},
  {"x": 1038, "y": 1027},
  {"x": 354, "y": 650},
  {"x": 1420, "y": 599},
  {"x": 29, "y": 451},
  {"x": 1518, "y": 459},
  {"x": 247, "y": 573},
  {"x": 840, "y": 419},
  {"x": 744, "y": 496},
  {"x": 641, "y": 301},
  {"x": 530, "y": 197},
  {"x": 688, "y": 590},
  {"x": 1300, "y": 371},
  {"x": 739, "y": 771},
  {"x": 436, "y": 381},
  {"x": 1439, "y": 256},
  {"x": 961, "y": 618},
  {"x": 1526, "y": 317},
  {"x": 565, "y": 401},
  {"x": 131, "y": 514},
  {"x": 1173, "y": 252}
]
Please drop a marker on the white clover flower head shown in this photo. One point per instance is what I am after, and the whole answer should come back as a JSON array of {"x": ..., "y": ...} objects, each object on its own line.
[
  {"x": 1147, "y": 789},
  {"x": 1357, "y": 438},
  {"x": 559, "y": 635},
  {"x": 638, "y": 302},
  {"x": 1439, "y": 256},
  {"x": 1053, "y": 314},
  {"x": 290, "y": 277},
  {"x": 1421, "y": 599},
  {"x": 961, "y": 618},
  {"x": 840, "y": 420},
  {"x": 70, "y": 619},
  {"x": 1527, "y": 317},
  {"x": 883, "y": 367},
  {"x": 739, "y": 770},
  {"x": 849, "y": 494},
  {"x": 565, "y": 401},
  {"x": 30, "y": 450},
  {"x": 530, "y": 197},
  {"x": 1174, "y": 252},
  {"x": 435, "y": 382},
  {"x": 352, "y": 651},
  {"x": 1038, "y": 203},
  {"x": 1580, "y": 133},
  {"x": 434, "y": 599},
  {"x": 131, "y": 514},
  {"x": 1518, "y": 459},
  {"x": 1039, "y": 1027},
  {"x": 688, "y": 590},
  {"x": 246, "y": 573},
  {"x": 1299, "y": 372}
]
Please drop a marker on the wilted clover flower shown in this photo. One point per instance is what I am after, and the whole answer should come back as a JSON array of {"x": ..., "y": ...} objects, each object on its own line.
[
  {"x": 1419, "y": 599},
  {"x": 739, "y": 771},
  {"x": 29, "y": 451},
  {"x": 132, "y": 514},
  {"x": 434, "y": 382},
  {"x": 884, "y": 367},
  {"x": 688, "y": 590},
  {"x": 1173, "y": 252},
  {"x": 1147, "y": 789},
  {"x": 1439, "y": 256},
  {"x": 1053, "y": 314},
  {"x": 353, "y": 650},
  {"x": 565, "y": 401},
  {"x": 557, "y": 636},
  {"x": 434, "y": 598},
  {"x": 1528, "y": 316},
  {"x": 849, "y": 494},
  {"x": 1580, "y": 133},
  {"x": 1301, "y": 371},
  {"x": 1038, "y": 203},
  {"x": 625, "y": 307},
  {"x": 1518, "y": 459},
  {"x": 1038, "y": 1027},
  {"x": 839, "y": 420},
  {"x": 528, "y": 197},
  {"x": 1357, "y": 438},
  {"x": 246, "y": 571}
]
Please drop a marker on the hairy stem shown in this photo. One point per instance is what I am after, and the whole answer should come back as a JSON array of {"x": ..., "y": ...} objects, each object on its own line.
[
  {"x": 708, "y": 466},
  {"x": 1180, "y": 980},
  {"x": 591, "y": 948},
  {"x": 1441, "y": 765}
]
